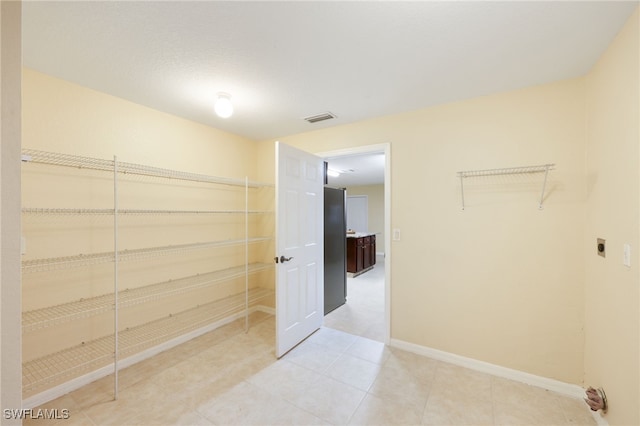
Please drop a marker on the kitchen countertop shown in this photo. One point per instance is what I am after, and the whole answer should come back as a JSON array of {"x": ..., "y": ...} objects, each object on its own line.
[{"x": 360, "y": 234}]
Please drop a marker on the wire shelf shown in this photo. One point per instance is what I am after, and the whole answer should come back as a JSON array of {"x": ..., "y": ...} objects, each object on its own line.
[
  {"x": 76, "y": 161},
  {"x": 84, "y": 308},
  {"x": 142, "y": 170},
  {"x": 507, "y": 171},
  {"x": 83, "y": 260},
  {"x": 64, "y": 365},
  {"x": 66, "y": 160},
  {"x": 542, "y": 168},
  {"x": 69, "y": 212},
  {"x": 58, "y": 367},
  {"x": 72, "y": 211}
]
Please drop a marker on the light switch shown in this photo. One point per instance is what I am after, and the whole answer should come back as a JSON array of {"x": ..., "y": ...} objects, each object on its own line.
[
  {"x": 626, "y": 255},
  {"x": 396, "y": 234}
]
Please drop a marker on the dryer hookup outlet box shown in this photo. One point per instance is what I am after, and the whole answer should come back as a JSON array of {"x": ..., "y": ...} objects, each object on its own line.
[{"x": 601, "y": 247}]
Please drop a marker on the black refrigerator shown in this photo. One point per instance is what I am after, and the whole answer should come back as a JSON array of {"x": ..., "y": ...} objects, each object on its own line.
[{"x": 335, "y": 248}]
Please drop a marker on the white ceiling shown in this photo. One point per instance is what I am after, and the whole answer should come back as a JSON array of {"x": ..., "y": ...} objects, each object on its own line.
[
  {"x": 282, "y": 61},
  {"x": 362, "y": 169}
]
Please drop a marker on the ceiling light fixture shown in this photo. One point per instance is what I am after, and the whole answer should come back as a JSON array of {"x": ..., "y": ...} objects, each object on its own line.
[
  {"x": 223, "y": 106},
  {"x": 333, "y": 173}
]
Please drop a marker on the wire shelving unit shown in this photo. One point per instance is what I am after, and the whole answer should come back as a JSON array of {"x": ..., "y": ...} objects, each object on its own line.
[
  {"x": 55, "y": 369},
  {"x": 88, "y": 307},
  {"x": 61, "y": 366}
]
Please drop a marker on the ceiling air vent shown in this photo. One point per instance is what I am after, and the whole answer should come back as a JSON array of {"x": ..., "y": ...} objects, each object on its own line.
[{"x": 320, "y": 117}]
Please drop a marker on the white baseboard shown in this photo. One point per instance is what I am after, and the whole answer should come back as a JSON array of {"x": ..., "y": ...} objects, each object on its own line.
[
  {"x": 567, "y": 389},
  {"x": 266, "y": 309},
  {"x": 63, "y": 389}
]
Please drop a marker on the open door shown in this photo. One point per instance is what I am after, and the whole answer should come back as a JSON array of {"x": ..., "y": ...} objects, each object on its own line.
[{"x": 299, "y": 246}]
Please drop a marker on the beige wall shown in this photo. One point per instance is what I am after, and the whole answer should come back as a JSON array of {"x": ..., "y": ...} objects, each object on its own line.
[
  {"x": 375, "y": 200},
  {"x": 503, "y": 282},
  {"x": 612, "y": 320},
  {"x": 10, "y": 86},
  {"x": 500, "y": 282},
  {"x": 65, "y": 118}
]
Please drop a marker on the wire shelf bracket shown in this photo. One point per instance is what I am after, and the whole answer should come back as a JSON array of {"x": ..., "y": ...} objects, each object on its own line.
[{"x": 543, "y": 168}]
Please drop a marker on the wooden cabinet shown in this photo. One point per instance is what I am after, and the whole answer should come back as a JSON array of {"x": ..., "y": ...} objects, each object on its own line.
[
  {"x": 354, "y": 254},
  {"x": 372, "y": 251},
  {"x": 361, "y": 253}
]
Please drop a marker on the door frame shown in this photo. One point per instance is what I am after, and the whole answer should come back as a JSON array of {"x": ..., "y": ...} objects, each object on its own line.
[{"x": 371, "y": 149}]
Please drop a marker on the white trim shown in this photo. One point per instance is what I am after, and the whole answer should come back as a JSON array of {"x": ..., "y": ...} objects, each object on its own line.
[
  {"x": 563, "y": 388},
  {"x": 567, "y": 389},
  {"x": 368, "y": 149},
  {"x": 77, "y": 383},
  {"x": 601, "y": 421}
]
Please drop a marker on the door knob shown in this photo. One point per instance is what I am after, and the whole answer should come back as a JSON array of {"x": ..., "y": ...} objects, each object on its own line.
[{"x": 285, "y": 259}]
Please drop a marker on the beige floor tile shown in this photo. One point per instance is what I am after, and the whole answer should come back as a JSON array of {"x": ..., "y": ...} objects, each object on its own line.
[
  {"x": 100, "y": 391},
  {"x": 246, "y": 404},
  {"x": 204, "y": 393},
  {"x": 520, "y": 394},
  {"x": 349, "y": 319},
  {"x": 332, "y": 340},
  {"x": 398, "y": 384},
  {"x": 375, "y": 331},
  {"x": 363, "y": 314},
  {"x": 75, "y": 418},
  {"x": 330, "y": 400},
  {"x": 370, "y": 350},
  {"x": 375, "y": 410},
  {"x": 63, "y": 410},
  {"x": 232, "y": 377},
  {"x": 120, "y": 412},
  {"x": 527, "y": 415},
  {"x": 250, "y": 365},
  {"x": 446, "y": 406},
  {"x": 420, "y": 367},
  {"x": 166, "y": 410},
  {"x": 463, "y": 381},
  {"x": 353, "y": 371},
  {"x": 312, "y": 356},
  {"x": 577, "y": 412},
  {"x": 284, "y": 379}
]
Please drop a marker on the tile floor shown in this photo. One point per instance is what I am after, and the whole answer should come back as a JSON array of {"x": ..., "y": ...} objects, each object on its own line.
[
  {"x": 335, "y": 377},
  {"x": 363, "y": 314}
]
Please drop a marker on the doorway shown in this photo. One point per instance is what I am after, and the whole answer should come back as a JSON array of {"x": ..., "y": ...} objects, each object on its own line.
[{"x": 368, "y": 294}]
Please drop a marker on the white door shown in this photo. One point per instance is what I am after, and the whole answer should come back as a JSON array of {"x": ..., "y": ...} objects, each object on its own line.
[{"x": 299, "y": 246}]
